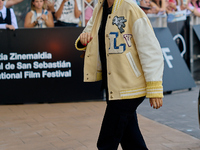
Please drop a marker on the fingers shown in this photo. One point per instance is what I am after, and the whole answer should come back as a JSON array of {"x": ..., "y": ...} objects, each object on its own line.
[
  {"x": 43, "y": 17},
  {"x": 156, "y": 102},
  {"x": 85, "y": 38},
  {"x": 11, "y": 27},
  {"x": 88, "y": 38}
]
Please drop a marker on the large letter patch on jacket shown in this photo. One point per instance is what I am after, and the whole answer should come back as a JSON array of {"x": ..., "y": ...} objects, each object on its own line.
[{"x": 113, "y": 44}]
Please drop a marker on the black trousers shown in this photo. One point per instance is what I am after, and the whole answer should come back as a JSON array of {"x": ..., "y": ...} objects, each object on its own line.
[{"x": 120, "y": 125}]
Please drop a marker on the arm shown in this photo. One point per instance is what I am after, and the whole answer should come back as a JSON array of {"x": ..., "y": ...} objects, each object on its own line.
[
  {"x": 50, "y": 6},
  {"x": 49, "y": 22},
  {"x": 77, "y": 12},
  {"x": 13, "y": 25},
  {"x": 10, "y": 3},
  {"x": 2, "y": 26},
  {"x": 13, "y": 19},
  {"x": 85, "y": 37},
  {"x": 195, "y": 12},
  {"x": 182, "y": 6},
  {"x": 27, "y": 21},
  {"x": 163, "y": 6},
  {"x": 155, "y": 7},
  {"x": 58, "y": 13},
  {"x": 172, "y": 5},
  {"x": 151, "y": 58},
  {"x": 81, "y": 46},
  {"x": 171, "y": 8}
]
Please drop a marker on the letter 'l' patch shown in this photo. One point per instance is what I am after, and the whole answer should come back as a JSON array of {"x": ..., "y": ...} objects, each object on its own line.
[
  {"x": 119, "y": 22},
  {"x": 127, "y": 38},
  {"x": 114, "y": 49}
]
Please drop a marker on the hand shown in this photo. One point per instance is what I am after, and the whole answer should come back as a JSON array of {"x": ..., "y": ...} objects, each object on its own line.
[
  {"x": 44, "y": 17},
  {"x": 172, "y": 5},
  {"x": 11, "y": 27},
  {"x": 50, "y": 6},
  {"x": 156, "y": 102},
  {"x": 162, "y": 10},
  {"x": 183, "y": 7},
  {"x": 85, "y": 38},
  {"x": 153, "y": 10},
  {"x": 38, "y": 18}
]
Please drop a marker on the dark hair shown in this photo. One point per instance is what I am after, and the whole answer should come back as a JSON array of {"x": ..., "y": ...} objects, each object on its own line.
[
  {"x": 160, "y": 2},
  {"x": 197, "y": 2}
]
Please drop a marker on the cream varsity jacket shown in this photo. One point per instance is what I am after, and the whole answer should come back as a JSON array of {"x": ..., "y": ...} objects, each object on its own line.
[{"x": 134, "y": 58}]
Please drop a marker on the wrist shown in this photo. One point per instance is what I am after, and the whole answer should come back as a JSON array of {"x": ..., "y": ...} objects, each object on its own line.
[
  {"x": 35, "y": 23},
  {"x": 192, "y": 10},
  {"x": 7, "y": 26}
]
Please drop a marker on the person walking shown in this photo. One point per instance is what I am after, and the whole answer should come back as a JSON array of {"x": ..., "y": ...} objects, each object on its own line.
[{"x": 122, "y": 50}]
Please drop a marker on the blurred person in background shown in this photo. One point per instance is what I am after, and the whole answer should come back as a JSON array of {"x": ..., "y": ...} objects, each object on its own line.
[
  {"x": 171, "y": 6},
  {"x": 184, "y": 4},
  {"x": 159, "y": 5},
  {"x": 49, "y": 5},
  {"x": 88, "y": 12},
  {"x": 146, "y": 6},
  {"x": 7, "y": 17},
  {"x": 38, "y": 17},
  {"x": 9, "y": 3},
  {"x": 67, "y": 12},
  {"x": 194, "y": 7}
]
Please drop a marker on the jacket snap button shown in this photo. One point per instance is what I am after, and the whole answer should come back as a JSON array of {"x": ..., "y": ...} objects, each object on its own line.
[
  {"x": 109, "y": 17},
  {"x": 107, "y": 54},
  {"x": 106, "y": 35},
  {"x": 111, "y": 92},
  {"x": 109, "y": 73},
  {"x": 111, "y": 97}
]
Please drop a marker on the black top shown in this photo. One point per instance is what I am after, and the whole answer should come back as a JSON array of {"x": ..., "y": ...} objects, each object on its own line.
[
  {"x": 7, "y": 20},
  {"x": 102, "y": 49}
]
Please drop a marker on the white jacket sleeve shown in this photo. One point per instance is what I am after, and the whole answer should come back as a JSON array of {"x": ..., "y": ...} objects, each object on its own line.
[
  {"x": 13, "y": 19},
  {"x": 150, "y": 55}
]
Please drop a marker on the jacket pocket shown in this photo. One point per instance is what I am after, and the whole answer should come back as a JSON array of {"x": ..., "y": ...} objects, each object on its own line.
[{"x": 133, "y": 65}]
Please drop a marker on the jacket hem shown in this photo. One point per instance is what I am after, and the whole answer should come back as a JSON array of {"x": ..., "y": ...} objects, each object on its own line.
[
  {"x": 134, "y": 96},
  {"x": 133, "y": 93}
]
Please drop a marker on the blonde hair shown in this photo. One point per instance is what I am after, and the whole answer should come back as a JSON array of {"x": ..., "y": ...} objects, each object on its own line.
[{"x": 33, "y": 7}]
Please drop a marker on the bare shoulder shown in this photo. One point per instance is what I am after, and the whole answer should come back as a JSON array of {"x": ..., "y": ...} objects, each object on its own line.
[{"x": 29, "y": 14}]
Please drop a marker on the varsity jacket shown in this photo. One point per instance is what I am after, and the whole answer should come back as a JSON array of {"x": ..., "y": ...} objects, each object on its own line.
[{"x": 134, "y": 57}]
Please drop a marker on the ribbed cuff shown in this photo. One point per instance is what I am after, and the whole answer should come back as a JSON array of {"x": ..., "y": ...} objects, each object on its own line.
[
  {"x": 154, "y": 89},
  {"x": 79, "y": 46}
]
